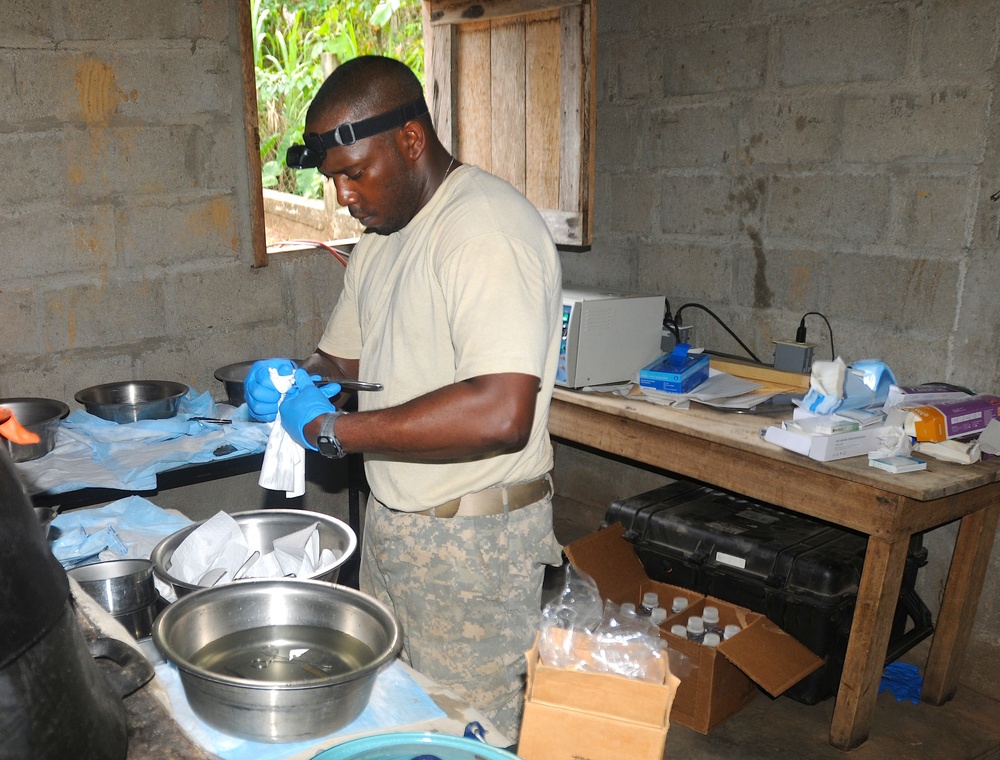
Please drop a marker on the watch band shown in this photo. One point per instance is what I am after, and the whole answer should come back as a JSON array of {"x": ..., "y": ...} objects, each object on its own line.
[{"x": 326, "y": 441}]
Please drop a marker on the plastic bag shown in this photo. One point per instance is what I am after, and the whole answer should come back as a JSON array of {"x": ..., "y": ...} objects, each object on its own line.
[{"x": 582, "y": 632}]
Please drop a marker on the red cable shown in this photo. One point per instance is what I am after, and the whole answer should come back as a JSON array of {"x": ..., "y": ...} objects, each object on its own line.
[{"x": 316, "y": 243}]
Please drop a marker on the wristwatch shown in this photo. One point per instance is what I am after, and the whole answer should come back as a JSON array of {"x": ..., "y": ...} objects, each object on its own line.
[{"x": 326, "y": 441}]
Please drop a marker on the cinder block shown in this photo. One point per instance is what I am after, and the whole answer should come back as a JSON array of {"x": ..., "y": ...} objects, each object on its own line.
[
  {"x": 26, "y": 23},
  {"x": 129, "y": 20},
  {"x": 41, "y": 175},
  {"x": 313, "y": 283},
  {"x": 630, "y": 73},
  {"x": 107, "y": 314},
  {"x": 792, "y": 129},
  {"x": 714, "y": 60},
  {"x": 623, "y": 132},
  {"x": 679, "y": 13},
  {"x": 822, "y": 207},
  {"x": 696, "y": 204},
  {"x": 48, "y": 239},
  {"x": 958, "y": 41},
  {"x": 684, "y": 271},
  {"x": 632, "y": 206},
  {"x": 863, "y": 45},
  {"x": 195, "y": 226},
  {"x": 945, "y": 124},
  {"x": 935, "y": 211},
  {"x": 700, "y": 135},
  {"x": 792, "y": 278},
  {"x": 21, "y": 320},
  {"x": 224, "y": 297}
]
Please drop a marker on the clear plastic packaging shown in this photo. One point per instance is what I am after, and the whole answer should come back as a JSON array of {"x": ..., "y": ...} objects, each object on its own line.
[{"x": 581, "y": 632}]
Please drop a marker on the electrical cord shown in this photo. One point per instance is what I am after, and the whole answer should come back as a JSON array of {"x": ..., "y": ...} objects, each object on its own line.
[
  {"x": 800, "y": 333},
  {"x": 725, "y": 327},
  {"x": 668, "y": 321}
]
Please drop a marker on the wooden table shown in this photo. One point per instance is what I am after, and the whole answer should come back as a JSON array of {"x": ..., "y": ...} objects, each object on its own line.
[{"x": 726, "y": 450}]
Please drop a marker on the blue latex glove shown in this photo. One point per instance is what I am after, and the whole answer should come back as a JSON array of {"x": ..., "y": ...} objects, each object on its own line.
[
  {"x": 303, "y": 403},
  {"x": 261, "y": 395}
]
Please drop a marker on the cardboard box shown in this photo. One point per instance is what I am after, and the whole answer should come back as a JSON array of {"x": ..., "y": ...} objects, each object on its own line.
[
  {"x": 570, "y": 715},
  {"x": 722, "y": 680},
  {"x": 676, "y": 372}
]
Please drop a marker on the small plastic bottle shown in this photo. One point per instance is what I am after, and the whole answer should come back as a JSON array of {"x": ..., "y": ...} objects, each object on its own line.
[
  {"x": 730, "y": 631},
  {"x": 680, "y": 603},
  {"x": 649, "y": 600},
  {"x": 679, "y": 630},
  {"x": 695, "y": 628},
  {"x": 628, "y": 610},
  {"x": 711, "y": 639},
  {"x": 711, "y": 617},
  {"x": 658, "y": 615}
]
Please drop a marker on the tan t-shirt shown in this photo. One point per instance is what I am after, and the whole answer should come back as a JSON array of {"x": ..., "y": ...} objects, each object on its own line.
[{"x": 471, "y": 286}]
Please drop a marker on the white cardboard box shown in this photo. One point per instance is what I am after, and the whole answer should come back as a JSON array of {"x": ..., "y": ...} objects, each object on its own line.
[{"x": 826, "y": 448}]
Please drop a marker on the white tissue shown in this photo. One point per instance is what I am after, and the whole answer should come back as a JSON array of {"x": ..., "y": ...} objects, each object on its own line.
[
  {"x": 893, "y": 442},
  {"x": 284, "y": 466},
  {"x": 216, "y": 543}
]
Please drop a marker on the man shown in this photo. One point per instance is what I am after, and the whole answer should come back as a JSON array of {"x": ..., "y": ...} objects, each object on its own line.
[{"x": 452, "y": 300}]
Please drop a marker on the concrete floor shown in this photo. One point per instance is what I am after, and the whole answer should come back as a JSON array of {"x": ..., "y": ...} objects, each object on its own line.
[{"x": 967, "y": 728}]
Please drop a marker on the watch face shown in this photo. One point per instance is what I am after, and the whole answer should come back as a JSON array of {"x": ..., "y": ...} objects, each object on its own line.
[{"x": 328, "y": 447}]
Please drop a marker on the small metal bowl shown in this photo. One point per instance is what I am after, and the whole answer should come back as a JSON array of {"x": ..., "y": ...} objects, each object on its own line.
[
  {"x": 232, "y": 645},
  {"x": 120, "y": 586},
  {"x": 233, "y": 376},
  {"x": 40, "y": 416},
  {"x": 133, "y": 400},
  {"x": 260, "y": 528}
]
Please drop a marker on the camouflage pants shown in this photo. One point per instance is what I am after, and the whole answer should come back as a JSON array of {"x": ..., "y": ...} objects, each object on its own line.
[{"x": 467, "y": 592}]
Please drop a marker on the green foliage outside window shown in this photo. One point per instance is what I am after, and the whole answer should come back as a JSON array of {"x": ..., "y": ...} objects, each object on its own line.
[{"x": 289, "y": 40}]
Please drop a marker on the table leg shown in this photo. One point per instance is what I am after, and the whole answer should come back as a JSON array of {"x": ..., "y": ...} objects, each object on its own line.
[
  {"x": 969, "y": 563},
  {"x": 878, "y": 594}
]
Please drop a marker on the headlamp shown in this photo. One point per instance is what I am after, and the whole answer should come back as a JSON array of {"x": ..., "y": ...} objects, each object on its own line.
[{"x": 313, "y": 153}]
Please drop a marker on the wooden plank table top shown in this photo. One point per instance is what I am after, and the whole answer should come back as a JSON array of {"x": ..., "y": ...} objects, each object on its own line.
[{"x": 726, "y": 450}]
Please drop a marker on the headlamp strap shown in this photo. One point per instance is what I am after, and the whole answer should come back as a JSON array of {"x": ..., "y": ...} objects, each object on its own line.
[{"x": 349, "y": 133}]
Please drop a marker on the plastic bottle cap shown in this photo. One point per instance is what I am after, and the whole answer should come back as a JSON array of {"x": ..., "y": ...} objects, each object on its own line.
[
  {"x": 628, "y": 609},
  {"x": 650, "y": 599},
  {"x": 695, "y": 624},
  {"x": 730, "y": 631},
  {"x": 679, "y": 630},
  {"x": 710, "y": 615},
  {"x": 658, "y": 615},
  {"x": 679, "y": 603},
  {"x": 711, "y": 640}
]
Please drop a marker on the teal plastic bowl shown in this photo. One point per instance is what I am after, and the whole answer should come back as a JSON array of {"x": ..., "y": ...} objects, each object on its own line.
[{"x": 413, "y": 746}]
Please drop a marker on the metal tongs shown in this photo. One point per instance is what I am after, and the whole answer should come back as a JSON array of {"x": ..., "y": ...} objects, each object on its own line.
[{"x": 352, "y": 385}]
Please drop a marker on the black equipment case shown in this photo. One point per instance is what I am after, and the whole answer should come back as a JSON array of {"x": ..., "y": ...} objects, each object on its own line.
[{"x": 802, "y": 573}]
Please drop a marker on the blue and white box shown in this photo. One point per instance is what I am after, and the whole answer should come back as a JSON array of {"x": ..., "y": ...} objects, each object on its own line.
[{"x": 676, "y": 372}]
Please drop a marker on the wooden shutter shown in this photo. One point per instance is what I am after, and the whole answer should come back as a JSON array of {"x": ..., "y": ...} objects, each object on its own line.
[{"x": 510, "y": 84}]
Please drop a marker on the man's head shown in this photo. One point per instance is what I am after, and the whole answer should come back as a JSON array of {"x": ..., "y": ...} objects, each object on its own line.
[{"x": 384, "y": 178}]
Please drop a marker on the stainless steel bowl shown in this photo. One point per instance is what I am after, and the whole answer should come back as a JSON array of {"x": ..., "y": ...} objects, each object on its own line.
[
  {"x": 133, "y": 400},
  {"x": 119, "y": 585},
  {"x": 37, "y": 415},
  {"x": 260, "y": 528},
  {"x": 232, "y": 377},
  {"x": 226, "y": 640}
]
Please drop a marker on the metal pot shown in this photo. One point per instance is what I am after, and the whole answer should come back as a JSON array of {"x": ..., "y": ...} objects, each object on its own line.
[
  {"x": 133, "y": 400},
  {"x": 37, "y": 415},
  {"x": 234, "y": 644},
  {"x": 260, "y": 528},
  {"x": 55, "y": 702}
]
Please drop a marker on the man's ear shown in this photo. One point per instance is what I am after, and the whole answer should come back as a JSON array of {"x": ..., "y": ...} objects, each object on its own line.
[{"x": 412, "y": 140}]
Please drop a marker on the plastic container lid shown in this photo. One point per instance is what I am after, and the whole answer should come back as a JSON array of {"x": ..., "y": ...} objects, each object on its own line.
[
  {"x": 628, "y": 609},
  {"x": 408, "y": 746},
  {"x": 678, "y": 630},
  {"x": 658, "y": 615},
  {"x": 650, "y": 599},
  {"x": 695, "y": 625},
  {"x": 711, "y": 640},
  {"x": 710, "y": 615},
  {"x": 730, "y": 631},
  {"x": 679, "y": 603}
]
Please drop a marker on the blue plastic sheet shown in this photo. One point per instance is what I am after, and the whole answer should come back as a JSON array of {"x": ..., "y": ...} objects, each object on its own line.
[
  {"x": 91, "y": 452},
  {"x": 903, "y": 681}
]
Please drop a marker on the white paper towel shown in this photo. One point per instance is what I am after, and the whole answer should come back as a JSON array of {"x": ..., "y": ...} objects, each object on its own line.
[{"x": 284, "y": 467}]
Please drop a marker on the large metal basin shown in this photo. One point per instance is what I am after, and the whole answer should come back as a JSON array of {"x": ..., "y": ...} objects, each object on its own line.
[
  {"x": 40, "y": 416},
  {"x": 308, "y": 704},
  {"x": 260, "y": 528},
  {"x": 133, "y": 400}
]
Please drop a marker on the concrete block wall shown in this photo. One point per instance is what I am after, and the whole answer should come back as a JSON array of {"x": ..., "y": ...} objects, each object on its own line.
[
  {"x": 768, "y": 158},
  {"x": 124, "y": 214}
]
